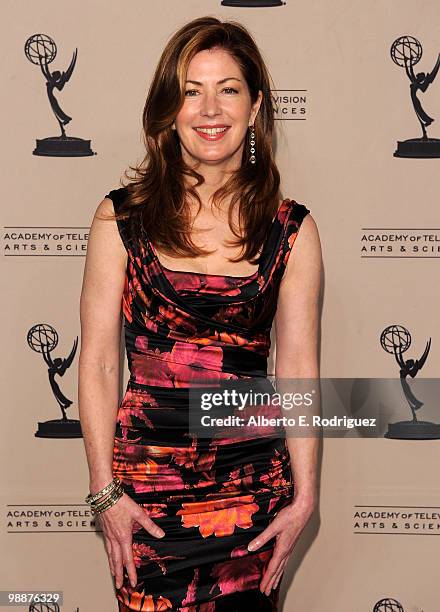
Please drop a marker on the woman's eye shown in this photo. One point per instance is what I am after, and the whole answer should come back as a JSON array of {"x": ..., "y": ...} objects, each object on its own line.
[{"x": 189, "y": 92}]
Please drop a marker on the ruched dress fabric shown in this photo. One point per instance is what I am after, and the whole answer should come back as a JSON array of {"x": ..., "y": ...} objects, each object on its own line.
[{"x": 210, "y": 496}]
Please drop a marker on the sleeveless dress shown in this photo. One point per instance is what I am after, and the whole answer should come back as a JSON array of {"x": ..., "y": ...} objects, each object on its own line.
[{"x": 210, "y": 496}]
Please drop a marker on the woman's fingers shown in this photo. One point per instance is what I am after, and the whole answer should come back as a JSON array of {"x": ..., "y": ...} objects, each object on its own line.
[
  {"x": 127, "y": 554},
  {"x": 275, "y": 584},
  {"x": 108, "y": 547},
  {"x": 126, "y": 544},
  {"x": 279, "y": 554},
  {"x": 149, "y": 525},
  {"x": 263, "y": 537},
  {"x": 117, "y": 563},
  {"x": 274, "y": 581},
  {"x": 117, "y": 523}
]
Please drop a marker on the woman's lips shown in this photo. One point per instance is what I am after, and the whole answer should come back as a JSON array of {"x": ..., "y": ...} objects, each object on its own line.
[{"x": 212, "y": 137}]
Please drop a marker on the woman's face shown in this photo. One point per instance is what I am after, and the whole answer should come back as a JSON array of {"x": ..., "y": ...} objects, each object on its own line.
[{"x": 217, "y": 111}]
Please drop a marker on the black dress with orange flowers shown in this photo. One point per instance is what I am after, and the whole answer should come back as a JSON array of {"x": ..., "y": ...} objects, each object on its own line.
[{"x": 210, "y": 496}]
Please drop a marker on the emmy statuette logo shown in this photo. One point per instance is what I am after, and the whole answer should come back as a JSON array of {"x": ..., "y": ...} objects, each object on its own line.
[
  {"x": 43, "y": 338},
  {"x": 252, "y": 3},
  {"x": 388, "y": 605},
  {"x": 406, "y": 52},
  {"x": 396, "y": 339},
  {"x": 41, "y": 50}
]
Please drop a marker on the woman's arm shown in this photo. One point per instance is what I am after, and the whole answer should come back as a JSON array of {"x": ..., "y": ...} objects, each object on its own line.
[
  {"x": 98, "y": 384},
  {"x": 296, "y": 326},
  {"x": 297, "y": 330},
  {"x": 99, "y": 360}
]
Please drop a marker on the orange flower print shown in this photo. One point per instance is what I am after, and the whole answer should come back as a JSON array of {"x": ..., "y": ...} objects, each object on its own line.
[
  {"x": 133, "y": 600},
  {"x": 219, "y": 517}
]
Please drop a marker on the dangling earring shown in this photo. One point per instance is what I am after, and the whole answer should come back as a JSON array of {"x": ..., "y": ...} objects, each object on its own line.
[{"x": 252, "y": 158}]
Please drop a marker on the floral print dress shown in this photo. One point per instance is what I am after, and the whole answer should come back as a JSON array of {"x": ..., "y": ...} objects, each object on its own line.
[{"x": 210, "y": 496}]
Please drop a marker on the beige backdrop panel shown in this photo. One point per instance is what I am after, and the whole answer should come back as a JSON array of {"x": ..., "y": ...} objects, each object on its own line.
[{"x": 338, "y": 161}]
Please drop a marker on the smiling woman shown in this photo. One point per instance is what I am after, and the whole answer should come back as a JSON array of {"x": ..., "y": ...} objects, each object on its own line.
[
  {"x": 211, "y": 76},
  {"x": 198, "y": 524},
  {"x": 210, "y": 101},
  {"x": 214, "y": 131}
]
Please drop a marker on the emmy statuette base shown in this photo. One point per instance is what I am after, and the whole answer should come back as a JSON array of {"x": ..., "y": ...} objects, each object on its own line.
[
  {"x": 252, "y": 3},
  {"x": 413, "y": 430},
  {"x": 418, "y": 148},
  {"x": 59, "y": 428},
  {"x": 63, "y": 146}
]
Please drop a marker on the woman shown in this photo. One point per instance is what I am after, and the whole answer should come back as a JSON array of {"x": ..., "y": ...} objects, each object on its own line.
[{"x": 182, "y": 513}]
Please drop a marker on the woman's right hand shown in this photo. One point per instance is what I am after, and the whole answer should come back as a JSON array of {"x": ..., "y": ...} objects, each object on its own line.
[{"x": 117, "y": 522}]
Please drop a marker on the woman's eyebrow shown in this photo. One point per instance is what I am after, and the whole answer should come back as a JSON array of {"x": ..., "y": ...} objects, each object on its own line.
[{"x": 218, "y": 82}]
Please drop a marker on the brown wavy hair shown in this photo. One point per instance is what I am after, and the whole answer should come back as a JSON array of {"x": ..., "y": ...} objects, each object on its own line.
[{"x": 157, "y": 196}]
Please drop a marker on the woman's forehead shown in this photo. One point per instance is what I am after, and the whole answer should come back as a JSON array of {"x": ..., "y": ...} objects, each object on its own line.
[{"x": 214, "y": 63}]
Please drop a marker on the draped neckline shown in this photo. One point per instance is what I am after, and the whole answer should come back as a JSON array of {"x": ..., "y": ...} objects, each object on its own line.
[{"x": 164, "y": 269}]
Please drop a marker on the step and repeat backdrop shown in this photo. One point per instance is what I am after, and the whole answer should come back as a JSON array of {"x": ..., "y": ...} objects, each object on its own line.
[{"x": 357, "y": 95}]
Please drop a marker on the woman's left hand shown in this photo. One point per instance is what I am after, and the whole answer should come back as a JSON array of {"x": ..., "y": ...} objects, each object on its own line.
[{"x": 286, "y": 527}]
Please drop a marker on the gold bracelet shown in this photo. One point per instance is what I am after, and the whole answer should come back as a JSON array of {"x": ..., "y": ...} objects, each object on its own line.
[
  {"x": 116, "y": 490},
  {"x": 91, "y": 498},
  {"x": 108, "y": 503}
]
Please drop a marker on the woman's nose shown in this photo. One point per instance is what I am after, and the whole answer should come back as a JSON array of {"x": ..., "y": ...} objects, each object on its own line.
[{"x": 210, "y": 104}]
